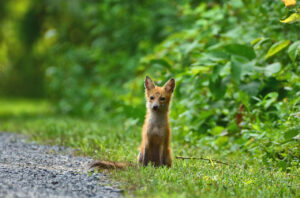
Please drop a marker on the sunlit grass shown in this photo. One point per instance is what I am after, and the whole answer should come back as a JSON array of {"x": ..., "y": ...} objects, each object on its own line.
[
  {"x": 19, "y": 107},
  {"x": 111, "y": 139}
]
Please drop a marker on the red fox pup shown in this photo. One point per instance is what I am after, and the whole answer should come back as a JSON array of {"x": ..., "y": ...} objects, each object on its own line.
[{"x": 156, "y": 135}]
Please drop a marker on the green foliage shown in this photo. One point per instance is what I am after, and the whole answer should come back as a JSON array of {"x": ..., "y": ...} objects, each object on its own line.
[
  {"x": 21, "y": 71},
  {"x": 277, "y": 47},
  {"x": 294, "y": 50},
  {"x": 236, "y": 66},
  {"x": 292, "y": 13},
  {"x": 295, "y": 17},
  {"x": 236, "y": 87},
  {"x": 82, "y": 45}
]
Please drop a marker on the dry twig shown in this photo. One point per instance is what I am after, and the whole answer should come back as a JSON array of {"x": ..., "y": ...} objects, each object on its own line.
[{"x": 202, "y": 158}]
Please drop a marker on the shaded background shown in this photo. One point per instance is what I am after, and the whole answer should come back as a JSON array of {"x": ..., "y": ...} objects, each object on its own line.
[{"x": 236, "y": 66}]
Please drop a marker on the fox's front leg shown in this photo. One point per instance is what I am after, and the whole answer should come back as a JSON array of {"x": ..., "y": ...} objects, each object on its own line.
[
  {"x": 140, "y": 157},
  {"x": 146, "y": 156},
  {"x": 166, "y": 157},
  {"x": 143, "y": 157}
]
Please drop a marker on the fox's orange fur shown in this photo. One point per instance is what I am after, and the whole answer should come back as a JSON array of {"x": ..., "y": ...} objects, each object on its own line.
[{"x": 156, "y": 134}]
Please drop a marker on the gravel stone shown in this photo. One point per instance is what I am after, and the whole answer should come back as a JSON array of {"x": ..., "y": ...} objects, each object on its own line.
[{"x": 30, "y": 170}]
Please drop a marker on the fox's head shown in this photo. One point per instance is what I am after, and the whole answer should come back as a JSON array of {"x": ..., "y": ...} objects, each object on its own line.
[{"x": 158, "y": 98}]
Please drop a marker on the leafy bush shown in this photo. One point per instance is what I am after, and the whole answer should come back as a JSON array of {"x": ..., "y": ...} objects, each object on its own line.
[
  {"x": 237, "y": 85},
  {"x": 236, "y": 66},
  {"x": 98, "y": 46}
]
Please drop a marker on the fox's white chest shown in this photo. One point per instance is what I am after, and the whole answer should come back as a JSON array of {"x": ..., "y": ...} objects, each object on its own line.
[
  {"x": 156, "y": 131},
  {"x": 156, "y": 126}
]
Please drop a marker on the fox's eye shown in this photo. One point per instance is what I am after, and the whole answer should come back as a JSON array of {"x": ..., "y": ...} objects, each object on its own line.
[
  {"x": 162, "y": 98},
  {"x": 151, "y": 97}
]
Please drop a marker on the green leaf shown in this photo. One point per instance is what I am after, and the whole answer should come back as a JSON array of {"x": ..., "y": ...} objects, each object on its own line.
[
  {"x": 277, "y": 47},
  {"x": 221, "y": 141},
  {"x": 188, "y": 47},
  {"x": 217, "y": 130},
  {"x": 218, "y": 87},
  {"x": 294, "y": 50},
  {"x": 251, "y": 88},
  {"x": 257, "y": 43},
  {"x": 199, "y": 69},
  {"x": 295, "y": 17},
  {"x": 272, "y": 69},
  {"x": 289, "y": 134},
  {"x": 161, "y": 62},
  {"x": 248, "y": 68},
  {"x": 241, "y": 50},
  {"x": 216, "y": 72},
  {"x": 217, "y": 55},
  {"x": 269, "y": 99},
  {"x": 254, "y": 41},
  {"x": 206, "y": 114},
  {"x": 237, "y": 64}
]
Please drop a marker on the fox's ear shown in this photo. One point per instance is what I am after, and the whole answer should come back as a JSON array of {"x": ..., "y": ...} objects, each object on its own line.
[
  {"x": 170, "y": 85},
  {"x": 149, "y": 83}
]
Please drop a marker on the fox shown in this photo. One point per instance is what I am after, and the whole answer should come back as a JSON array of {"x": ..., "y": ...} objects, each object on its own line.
[
  {"x": 156, "y": 133},
  {"x": 155, "y": 147}
]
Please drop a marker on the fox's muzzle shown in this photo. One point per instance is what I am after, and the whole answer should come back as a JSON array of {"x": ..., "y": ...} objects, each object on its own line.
[{"x": 155, "y": 107}]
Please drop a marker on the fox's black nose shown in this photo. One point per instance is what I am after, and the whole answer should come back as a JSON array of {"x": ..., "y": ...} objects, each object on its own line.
[{"x": 155, "y": 107}]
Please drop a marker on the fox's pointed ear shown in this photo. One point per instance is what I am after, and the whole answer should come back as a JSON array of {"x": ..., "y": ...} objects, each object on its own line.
[
  {"x": 149, "y": 83},
  {"x": 170, "y": 85}
]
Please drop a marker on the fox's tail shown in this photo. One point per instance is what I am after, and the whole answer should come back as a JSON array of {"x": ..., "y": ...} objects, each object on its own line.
[{"x": 102, "y": 164}]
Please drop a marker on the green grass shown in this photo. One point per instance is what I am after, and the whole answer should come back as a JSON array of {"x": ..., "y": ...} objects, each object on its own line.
[{"x": 115, "y": 139}]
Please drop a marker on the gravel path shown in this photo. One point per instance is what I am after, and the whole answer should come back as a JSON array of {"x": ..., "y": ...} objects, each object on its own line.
[{"x": 32, "y": 170}]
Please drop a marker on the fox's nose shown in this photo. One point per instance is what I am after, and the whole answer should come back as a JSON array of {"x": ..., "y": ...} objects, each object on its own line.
[{"x": 155, "y": 107}]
